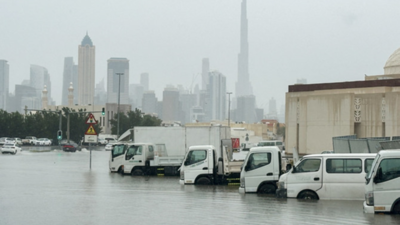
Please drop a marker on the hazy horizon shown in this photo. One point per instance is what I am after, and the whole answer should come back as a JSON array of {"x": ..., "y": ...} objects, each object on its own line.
[{"x": 321, "y": 41}]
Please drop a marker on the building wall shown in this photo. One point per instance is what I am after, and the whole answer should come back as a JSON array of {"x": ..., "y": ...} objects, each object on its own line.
[
  {"x": 4, "y": 84},
  {"x": 314, "y": 117}
]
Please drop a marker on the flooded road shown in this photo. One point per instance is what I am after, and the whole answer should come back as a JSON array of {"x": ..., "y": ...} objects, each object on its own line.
[{"x": 58, "y": 188}]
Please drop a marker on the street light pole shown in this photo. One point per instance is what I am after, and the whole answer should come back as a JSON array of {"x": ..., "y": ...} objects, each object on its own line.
[
  {"x": 119, "y": 92},
  {"x": 229, "y": 108}
]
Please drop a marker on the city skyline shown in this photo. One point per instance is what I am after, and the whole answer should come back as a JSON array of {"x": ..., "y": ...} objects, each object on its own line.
[{"x": 320, "y": 42}]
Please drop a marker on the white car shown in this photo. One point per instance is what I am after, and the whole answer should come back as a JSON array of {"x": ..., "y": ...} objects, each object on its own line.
[
  {"x": 110, "y": 144},
  {"x": 10, "y": 148},
  {"x": 43, "y": 141}
]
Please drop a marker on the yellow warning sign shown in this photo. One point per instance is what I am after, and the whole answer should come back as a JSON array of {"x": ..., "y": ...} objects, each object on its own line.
[{"x": 91, "y": 131}]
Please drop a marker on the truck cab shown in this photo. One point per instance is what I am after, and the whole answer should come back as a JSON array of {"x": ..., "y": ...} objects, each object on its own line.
[
  {"x": 261, "y": 170},
  {"x": 382, "y": 187}
]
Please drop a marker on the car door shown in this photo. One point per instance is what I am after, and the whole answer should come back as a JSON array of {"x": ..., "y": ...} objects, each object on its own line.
[
  {"x": 307, "y": 175},
  {"x": 259, "y": 168}
]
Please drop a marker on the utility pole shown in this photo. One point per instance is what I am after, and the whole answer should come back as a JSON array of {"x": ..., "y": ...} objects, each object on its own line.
[
  {"x": 229, "y": 108},
  {"x": 119, "y": 93}
]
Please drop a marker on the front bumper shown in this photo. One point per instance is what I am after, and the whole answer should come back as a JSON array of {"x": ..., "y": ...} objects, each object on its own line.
[
  {"x": 242, "y": 190},
  {"x": 368, "y": 208},
  {"x": 281, "y": 193}
]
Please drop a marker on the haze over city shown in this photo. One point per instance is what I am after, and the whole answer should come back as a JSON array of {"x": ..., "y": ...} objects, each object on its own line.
[{"x": 288, "y": 40}]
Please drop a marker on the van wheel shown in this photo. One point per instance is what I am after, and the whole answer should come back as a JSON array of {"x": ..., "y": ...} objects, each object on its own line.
[
  {"x": 121, "y": 171},
  {"x": 137, "y": 172},
  {"x": 267, "y": 189},
  {"x": 203, "y": 181},
  {"x": 396, "y": 208},
  {"x": 308, "y": 195}
]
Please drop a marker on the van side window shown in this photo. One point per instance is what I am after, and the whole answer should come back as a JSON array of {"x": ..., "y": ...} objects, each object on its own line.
[
  {"x": 118, "y": 150},
  {"x": 151, "y": 149},
  {"x": 257, "y": 160},
  {"x": 308, "y": 165},
  {"x": 390, "y": 169},
  {"x": 368, "y": 164},
  {"x": 196, "y": 156},
  {"x": 343, "y": 166}
]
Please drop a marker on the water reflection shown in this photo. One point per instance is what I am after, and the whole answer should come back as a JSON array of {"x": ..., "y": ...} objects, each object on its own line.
[{"x": 58, "y": 188}]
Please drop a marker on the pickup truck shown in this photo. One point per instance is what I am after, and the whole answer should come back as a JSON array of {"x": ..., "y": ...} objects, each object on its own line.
[{"x": 29, "y": 140}]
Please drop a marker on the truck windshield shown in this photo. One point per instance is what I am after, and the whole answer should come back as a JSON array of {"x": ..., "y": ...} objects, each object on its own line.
[
  {"x": 371, "y": 171},
  {"x": 195, "y": 156},
  {"x": 118, "y": 150}
]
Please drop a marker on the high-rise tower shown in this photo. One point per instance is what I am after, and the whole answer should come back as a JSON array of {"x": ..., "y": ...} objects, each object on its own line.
[
  {"x": 70, "y": 75},
  {"x": 118, "y": 84},
  {"x": 86, "y": 71},
  {"x": 243, "y": 86}
]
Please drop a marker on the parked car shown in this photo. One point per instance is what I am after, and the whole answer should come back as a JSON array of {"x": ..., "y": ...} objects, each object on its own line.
[
  {"x": 43, "y": 141},
  {"x": 102, "y": 141},
  {"x": 10, "y": 148},
  {"x": 2, "y": 141},
  {"x": 70, "y": 146},
  {"x": 29, "y": 140},
  {"x": 109, "y": 146}
]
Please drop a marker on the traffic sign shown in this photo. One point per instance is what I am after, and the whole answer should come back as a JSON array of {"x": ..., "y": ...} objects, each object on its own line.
[
  {"x": 91, "y": 119},
  {"x": 91, "y": 131}
]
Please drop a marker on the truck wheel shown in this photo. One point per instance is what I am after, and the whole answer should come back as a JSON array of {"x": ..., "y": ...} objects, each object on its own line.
[
  {"x": 203, "y": 181},
  {"x": 267, "y": 189},
  {"x": 137, "y": 172},
  {"x": 308, "y": 195},
  {"x": 396, "y": 208}
]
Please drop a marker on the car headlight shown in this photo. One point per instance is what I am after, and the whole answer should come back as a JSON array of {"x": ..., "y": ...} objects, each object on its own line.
[
  {"x": 242, "y": 183},
  {"x": 369, "y": 198}
]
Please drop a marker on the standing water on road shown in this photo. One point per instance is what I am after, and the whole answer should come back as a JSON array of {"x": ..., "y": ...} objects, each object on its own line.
[{"x": 58, "y": 187}]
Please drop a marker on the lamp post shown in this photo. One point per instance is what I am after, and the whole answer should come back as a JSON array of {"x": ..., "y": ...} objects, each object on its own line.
[
  {"x": 229, "y": 108},
  {"x": 119, "y": 92}
]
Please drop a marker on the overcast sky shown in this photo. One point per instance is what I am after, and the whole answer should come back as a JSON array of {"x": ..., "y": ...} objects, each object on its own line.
[{"x": 321, "y": 41}]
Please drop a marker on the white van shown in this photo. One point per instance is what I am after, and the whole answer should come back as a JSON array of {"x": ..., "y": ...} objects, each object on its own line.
[
  {"x": 327, "y": 176},
  {"x": 382, "y": 188},
  {"x": 271, "y": 143},
  {"x": 261, "y": 170}
]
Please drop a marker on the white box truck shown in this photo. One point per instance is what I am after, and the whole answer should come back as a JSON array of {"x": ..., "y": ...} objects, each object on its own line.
[
  {"x": 208, "y": 164},
  {"x": 169, "y": 144},
  {"x": 382, "y": 188}
]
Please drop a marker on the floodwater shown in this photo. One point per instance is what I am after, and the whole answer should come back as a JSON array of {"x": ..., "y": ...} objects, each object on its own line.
[{"x": 58, "y": 187}]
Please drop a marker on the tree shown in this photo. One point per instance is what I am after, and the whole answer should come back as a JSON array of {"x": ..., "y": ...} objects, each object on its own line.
[{"x": 132, "y": 119}]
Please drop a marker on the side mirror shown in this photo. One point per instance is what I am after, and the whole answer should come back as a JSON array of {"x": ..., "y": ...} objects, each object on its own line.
[
  {"x": 288, "y": 167},
  {"x": 186, "y": 163},
  {"x": 246, "y": 168},
  {"x": 294, "y": 169},
  {"x": 378, "y": 176}
]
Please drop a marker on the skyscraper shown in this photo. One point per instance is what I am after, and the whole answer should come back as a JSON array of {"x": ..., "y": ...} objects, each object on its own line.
[
  {"x": 114, "y": 85},
  {"x": 144, "y": 81},
  {"x": 216, "y": 96},
  {"x": 171, "y": 109},
  {"x": 70, "y": 75},
  {"x": 4, "y": 84},
  {"x": 39, "y": 76},
  {"x": 86, "y": 71},
  {"x": 205, "y": 69}
]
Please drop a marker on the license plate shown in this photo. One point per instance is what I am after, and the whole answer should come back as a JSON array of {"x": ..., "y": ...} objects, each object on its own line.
[{"x": 67, "y": 148}]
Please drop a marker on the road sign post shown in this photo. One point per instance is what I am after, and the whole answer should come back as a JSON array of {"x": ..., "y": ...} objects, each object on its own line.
[{"x": 91, "y": 135}]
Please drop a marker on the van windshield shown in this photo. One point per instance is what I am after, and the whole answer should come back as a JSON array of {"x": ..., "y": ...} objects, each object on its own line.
[{"x": 371, "y": 171}]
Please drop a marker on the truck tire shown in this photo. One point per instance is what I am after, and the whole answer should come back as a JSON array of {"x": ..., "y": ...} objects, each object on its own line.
[
  {"x": 396, "y": 208},
  {"x": 308, "y": 195},
  {"x": 203, "y": 181},
  {"x": 137, "y": 172},
  {"x": 267, "y": 189}
]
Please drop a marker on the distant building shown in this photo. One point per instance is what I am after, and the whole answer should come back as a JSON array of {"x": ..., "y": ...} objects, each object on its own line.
[
  {"x": 246, "y": 109},
  {"x": 272, "y": 111},
  {"x": 118, "y": 84},
  {"x": 26, "y": 96},
  {"x": 205, "y": 69},
  {"x": 144, "y": 81},
  {"x": 86, "y": 72},
  {"x": 217, "y": 96},
  {"x": 171, "y": 110},
  {"x": 100, "y": 94},
  {"x": 39, "y": 77},
  {"x": 4, "y": 84},
  {"x": 149, "y": 103},
  {"x": 188, "y": 101},
  {"x": 70, "y": 75},
  {"x": 136, "y": 94}
]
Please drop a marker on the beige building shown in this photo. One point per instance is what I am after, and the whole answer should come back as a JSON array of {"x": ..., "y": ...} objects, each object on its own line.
[
  {"x": 317, "y": 112},
  {"x": 86, "y": 72}
]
